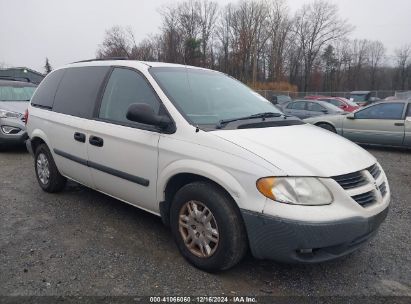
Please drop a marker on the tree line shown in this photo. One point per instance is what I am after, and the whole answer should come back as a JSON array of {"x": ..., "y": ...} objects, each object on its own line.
[{"x": 261, "y": 43}]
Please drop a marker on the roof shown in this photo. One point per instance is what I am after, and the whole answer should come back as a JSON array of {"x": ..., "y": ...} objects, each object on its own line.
[
  {"x": 15, "y": 83},
  {"x": 360, "y": 92},
  {"x": 23, "y": 68},
  {"x": 130, "y": 63}
]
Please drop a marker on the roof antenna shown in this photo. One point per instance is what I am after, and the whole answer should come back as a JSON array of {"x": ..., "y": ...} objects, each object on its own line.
[{"x": 197, "y": 129}]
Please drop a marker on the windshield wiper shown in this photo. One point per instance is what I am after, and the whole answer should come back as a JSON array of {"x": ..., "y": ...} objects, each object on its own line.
[{"x": 222, "y": 123}]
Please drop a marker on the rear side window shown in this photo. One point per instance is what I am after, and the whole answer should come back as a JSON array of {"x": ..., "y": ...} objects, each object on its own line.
[
  {"x": 44, "y": 95},
  {"x": 78, "y": 90},
  {"x": 315, "y": 107},
  {"x": 299, "y": 105},
  {"x": 124, "y": 88}
]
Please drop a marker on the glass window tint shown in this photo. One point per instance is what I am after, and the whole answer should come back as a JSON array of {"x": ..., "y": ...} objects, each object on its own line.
[
  {"x": 409, "y": 110},
  {"x": 299, "y": 105},
  {"x": 382, "y": 111},
  {"x": 315, "y": 107},
  {"x": 44, "y": 95},
  {"x": 124, "y": 88},
  {"x": 77, "y": 92}
]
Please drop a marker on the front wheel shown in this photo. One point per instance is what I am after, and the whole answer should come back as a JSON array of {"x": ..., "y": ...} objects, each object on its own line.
[
  {"x": 48, "y": 176},
  {"x": 207, "y": 227}
]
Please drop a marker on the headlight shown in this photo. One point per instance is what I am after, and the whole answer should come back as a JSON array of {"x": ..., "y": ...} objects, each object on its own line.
[
  {"x": 8, "y": 114},
  {"x": 307, "y": 191}
]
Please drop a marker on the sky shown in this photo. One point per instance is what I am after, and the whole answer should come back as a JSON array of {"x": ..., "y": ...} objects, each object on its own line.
[{"x": 71, "y": 30}]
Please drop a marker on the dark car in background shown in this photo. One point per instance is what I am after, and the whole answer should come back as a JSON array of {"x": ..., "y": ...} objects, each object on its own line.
[
  {"x": 279, "y": 100},
  {"x": 310, "y": 108},
  {"x": 363, "y": 98},
  {"x": 14, "y": 100}
]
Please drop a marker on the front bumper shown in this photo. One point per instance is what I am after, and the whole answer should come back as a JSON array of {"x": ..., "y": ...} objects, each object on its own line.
[
  {"x": 18, "y": 138},
  {"x": 307, "y": 242}
]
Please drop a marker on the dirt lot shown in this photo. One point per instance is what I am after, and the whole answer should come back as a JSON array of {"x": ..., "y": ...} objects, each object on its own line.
[{"x": 81, "y": 242}]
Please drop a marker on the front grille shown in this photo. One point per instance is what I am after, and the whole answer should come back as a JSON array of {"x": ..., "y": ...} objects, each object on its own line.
[
  {"x": 383, "y": 189},
  {"x": 374, "y": 170},
  {"x": 360, "y": 178},
  {"x": 351, "y": 180},
  {"x": 365, "y": 199}
]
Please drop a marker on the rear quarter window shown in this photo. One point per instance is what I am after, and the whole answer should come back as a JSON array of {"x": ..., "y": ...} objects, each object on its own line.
[
  {"x": 78, "y": 90},
  {"x": 44, "y": 95}
]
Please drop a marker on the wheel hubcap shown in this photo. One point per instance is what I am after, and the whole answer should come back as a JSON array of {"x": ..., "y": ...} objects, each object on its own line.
[
  {"x": 199, "y": 229},
  {"x": 43, "y": 170}
]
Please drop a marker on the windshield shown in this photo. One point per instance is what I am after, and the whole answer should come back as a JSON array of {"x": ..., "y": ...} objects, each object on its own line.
[
  {"x": 359, "y": 97},
  {"x": 331, "y": 107},
  {"x": 16, "y": 93},
  {"x": 206, "y": 97}
]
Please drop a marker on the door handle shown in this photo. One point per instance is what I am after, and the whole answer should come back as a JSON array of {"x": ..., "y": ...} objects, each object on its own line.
[
  {"x": 399, "y": 124},
  {"x": 81, "y": 137},
  {"x": 96, "y": 141}
]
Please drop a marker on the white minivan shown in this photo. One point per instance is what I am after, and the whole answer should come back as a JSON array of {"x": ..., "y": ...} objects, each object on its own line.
[{"x": 224, "y": 168}]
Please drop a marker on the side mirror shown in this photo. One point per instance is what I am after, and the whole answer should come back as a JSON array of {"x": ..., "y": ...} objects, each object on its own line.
[
  {"x": 350, "y": 116},
  {"x": 324, "y": 111},
  {"x": 144, "y": 113}
]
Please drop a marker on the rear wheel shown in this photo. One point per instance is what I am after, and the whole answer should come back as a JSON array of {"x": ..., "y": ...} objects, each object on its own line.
[
  {"x": 48, "y": 176},
  {"x": 207, "y": 227},
  {"x": 327, "y": 126}
]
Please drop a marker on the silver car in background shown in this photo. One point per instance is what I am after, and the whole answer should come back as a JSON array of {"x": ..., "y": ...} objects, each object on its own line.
[
  {"x": 384, "y": 123},
  {"x": 310, "y": 108},
  {"x": 14, "y": 100}
]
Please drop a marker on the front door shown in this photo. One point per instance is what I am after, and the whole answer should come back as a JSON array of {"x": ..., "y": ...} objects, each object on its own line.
[
  {"x": 123, "y": 155},
  {"x": 381, "y": 124}
]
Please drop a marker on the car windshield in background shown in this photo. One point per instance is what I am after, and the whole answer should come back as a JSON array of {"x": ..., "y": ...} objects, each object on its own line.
[
  {"x": 206, "y": 97},
  {"x": 16, "y": 93},
  {"x": 358, "y": 97}
]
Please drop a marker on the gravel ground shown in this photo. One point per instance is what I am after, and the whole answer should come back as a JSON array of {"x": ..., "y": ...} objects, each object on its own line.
[{"x": 81, "y": 242}]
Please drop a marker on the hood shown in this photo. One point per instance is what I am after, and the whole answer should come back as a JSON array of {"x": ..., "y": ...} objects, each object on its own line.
[
  {"x": 15, "y": 106},
  {"x": 302, "y": 150}
]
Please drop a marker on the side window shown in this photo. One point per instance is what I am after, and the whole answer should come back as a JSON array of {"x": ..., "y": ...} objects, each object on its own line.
[
  {"x": 78, "y": 90},
  {"x": 315, "y": 107},
  {"x": 124, "y": 88},
  {"x": 44, "y": 95},
  {"x": 382, "y": 111},
  {"x": 409, "y": 110},
  {"x": 299, "y": 105}
]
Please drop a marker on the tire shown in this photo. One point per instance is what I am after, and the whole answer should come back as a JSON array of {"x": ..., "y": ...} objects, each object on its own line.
[
  {"x": 227, "y": 247},
  {"x": 327, "y": 126},
  {"x": 43, "y": 163}
]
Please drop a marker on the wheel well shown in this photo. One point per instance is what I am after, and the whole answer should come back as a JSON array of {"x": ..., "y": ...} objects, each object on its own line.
[
  {"x": 35, "y": 142},
  {"x": 176, "y": 183},
  {"x": 324, "y": 123}
]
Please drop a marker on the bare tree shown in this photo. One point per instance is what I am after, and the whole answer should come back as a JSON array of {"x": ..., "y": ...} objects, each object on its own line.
[
  {"x": 118, "y": 42},
  {"x": 376, "y": 51},
  {"x": 207, "y": 15},
  {"x": 403, "y": 58},
  {"x": 279, "y": 27},
  {"x": 317, "y": 24}
]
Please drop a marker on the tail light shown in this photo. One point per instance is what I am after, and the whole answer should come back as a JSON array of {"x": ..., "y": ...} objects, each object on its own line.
[{"x": 26, "y": 116}]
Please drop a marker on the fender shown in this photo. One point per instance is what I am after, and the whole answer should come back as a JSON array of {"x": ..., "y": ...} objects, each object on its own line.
[{"x": 210, "y": 171}]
